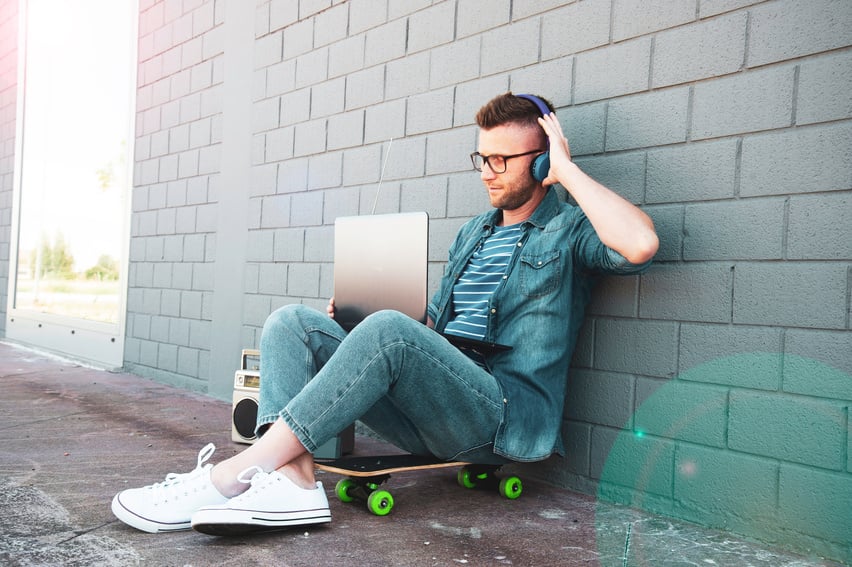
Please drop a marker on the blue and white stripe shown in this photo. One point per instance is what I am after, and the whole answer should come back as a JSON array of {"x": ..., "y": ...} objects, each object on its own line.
[{"x": 481, "y": 277}]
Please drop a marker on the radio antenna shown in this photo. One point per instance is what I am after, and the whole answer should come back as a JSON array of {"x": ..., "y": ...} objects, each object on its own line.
[{"x": 381, "y": 177}]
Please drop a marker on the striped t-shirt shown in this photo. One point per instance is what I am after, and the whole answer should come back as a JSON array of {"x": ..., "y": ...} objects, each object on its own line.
[{"x": 480, "y": 279}]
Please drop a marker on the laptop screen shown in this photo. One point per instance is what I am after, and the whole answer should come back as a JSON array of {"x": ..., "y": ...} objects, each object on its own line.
[{"x": 380, "y": 262}]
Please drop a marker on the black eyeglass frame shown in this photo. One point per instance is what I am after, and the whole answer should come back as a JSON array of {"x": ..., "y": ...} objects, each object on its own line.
[{"x": 505, "y": 159}]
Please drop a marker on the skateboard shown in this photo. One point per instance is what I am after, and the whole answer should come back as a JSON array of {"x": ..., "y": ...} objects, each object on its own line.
[{"x": 363, "y": 477}]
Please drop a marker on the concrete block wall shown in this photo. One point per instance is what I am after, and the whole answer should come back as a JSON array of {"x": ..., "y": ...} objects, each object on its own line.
[
  {"x": 174, "y": 202},
  {"x": 716, "y": 387},
  {"x": 8, "y": 121}
]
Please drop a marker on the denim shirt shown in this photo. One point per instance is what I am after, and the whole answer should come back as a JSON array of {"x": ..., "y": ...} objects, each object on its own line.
[{"x": 537, "y": 310}]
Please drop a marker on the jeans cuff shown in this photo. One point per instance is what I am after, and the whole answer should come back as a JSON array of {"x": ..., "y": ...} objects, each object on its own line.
[
  {"x": 263, "y": 422},
  {"x": 299, "y": 431}
]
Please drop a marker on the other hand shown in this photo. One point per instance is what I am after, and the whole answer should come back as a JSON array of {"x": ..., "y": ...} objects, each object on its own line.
[{"x": 560, "y": 152}]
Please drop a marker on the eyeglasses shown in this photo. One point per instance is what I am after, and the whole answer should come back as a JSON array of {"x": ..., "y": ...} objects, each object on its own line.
[{"x": 496, "y": 163}]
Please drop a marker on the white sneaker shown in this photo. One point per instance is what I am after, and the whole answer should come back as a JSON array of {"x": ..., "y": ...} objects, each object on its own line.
[
  {"x": 273, "y": 502},
  {"x": 168, "y": 506}
]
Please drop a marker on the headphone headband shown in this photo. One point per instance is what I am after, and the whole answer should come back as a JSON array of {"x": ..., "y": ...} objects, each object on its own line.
[{"x": 540, "y": 104}]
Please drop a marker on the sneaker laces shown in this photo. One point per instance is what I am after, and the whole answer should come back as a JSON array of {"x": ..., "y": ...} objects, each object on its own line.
[
  {"x": 254, "y": 476},
  {"x": 171, "y": 486}
]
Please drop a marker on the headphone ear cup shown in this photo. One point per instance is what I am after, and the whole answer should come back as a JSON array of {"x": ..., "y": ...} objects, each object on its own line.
[{"x": 540, "y": 166}]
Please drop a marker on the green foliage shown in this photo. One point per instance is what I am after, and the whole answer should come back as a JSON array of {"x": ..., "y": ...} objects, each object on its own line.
[
  {"x": 105, "y": 270},
  {"x": 52, "y": 260}
]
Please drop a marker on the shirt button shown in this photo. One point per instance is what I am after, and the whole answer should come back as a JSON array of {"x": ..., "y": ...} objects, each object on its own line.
[
  {"x": 519, "y": 244},
  {"x": 505, "y": 401},
  {"x": 493, "y": 311}
]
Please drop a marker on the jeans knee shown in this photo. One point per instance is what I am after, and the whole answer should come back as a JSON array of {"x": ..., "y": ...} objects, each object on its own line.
[
  {"x": 388, "y": 318},
  {"x": 292, "y": 316},
  {"x": 387, "y": 323},
  {"x": 279, "y": 317}
]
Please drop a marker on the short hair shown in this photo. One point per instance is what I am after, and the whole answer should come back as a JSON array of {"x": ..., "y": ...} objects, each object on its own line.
[{"x": 508, "y": 108}]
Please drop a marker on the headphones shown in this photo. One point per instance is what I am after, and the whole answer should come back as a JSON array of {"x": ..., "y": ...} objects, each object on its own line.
[{"x": 540, "y": 166}]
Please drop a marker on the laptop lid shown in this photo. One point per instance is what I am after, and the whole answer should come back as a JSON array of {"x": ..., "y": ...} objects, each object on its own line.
[{"x": 380, "y": 263}]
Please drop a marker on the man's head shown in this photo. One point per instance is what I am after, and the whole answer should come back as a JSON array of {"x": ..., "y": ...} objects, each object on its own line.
[
  {"x": 511, "y": 109},
  {"x": 510, "y": 138}
]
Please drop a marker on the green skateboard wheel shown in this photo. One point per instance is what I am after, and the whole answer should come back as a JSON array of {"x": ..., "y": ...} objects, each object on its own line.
[
  {"x": 342, "y": 490},
  {"x": 465, "y": 478},
  {"x": 510, "y": 487},
  {"x": 380, "y": 502}
]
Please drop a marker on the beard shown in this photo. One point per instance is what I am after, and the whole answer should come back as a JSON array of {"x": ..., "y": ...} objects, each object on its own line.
[{"x": 514, "y": 195}]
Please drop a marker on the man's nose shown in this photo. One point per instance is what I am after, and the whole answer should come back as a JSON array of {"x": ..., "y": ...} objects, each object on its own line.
[{"x": 487, "y": 172}]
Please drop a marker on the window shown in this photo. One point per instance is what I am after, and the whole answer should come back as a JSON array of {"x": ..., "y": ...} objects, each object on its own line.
[{"x": 73, "y": 176}]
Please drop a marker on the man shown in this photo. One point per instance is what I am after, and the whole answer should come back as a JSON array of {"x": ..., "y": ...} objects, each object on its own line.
[{"x": 518, "y": 275}]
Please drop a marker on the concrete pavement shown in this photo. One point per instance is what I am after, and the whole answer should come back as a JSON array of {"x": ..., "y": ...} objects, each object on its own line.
[{"x": 72, "y": 436}]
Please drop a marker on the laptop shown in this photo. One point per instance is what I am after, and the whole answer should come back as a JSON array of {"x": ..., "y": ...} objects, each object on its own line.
[{"x": 380, "y": 263}]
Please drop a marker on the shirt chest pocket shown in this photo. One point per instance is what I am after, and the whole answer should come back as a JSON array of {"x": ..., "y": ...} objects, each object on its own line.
[{"x": 540, "y": 273}]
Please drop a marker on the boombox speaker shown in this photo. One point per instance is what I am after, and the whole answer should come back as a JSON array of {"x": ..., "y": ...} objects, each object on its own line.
[{"x": 244, "y": 412}]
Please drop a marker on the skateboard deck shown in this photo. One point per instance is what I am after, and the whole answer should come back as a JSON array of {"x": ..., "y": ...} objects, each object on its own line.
[
  {"x": 365, "y": 475},
  {"x": 383, "y": 464}
]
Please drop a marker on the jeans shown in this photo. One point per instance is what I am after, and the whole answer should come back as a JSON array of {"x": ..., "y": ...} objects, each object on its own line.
[{"x": 399, "y": 377}]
